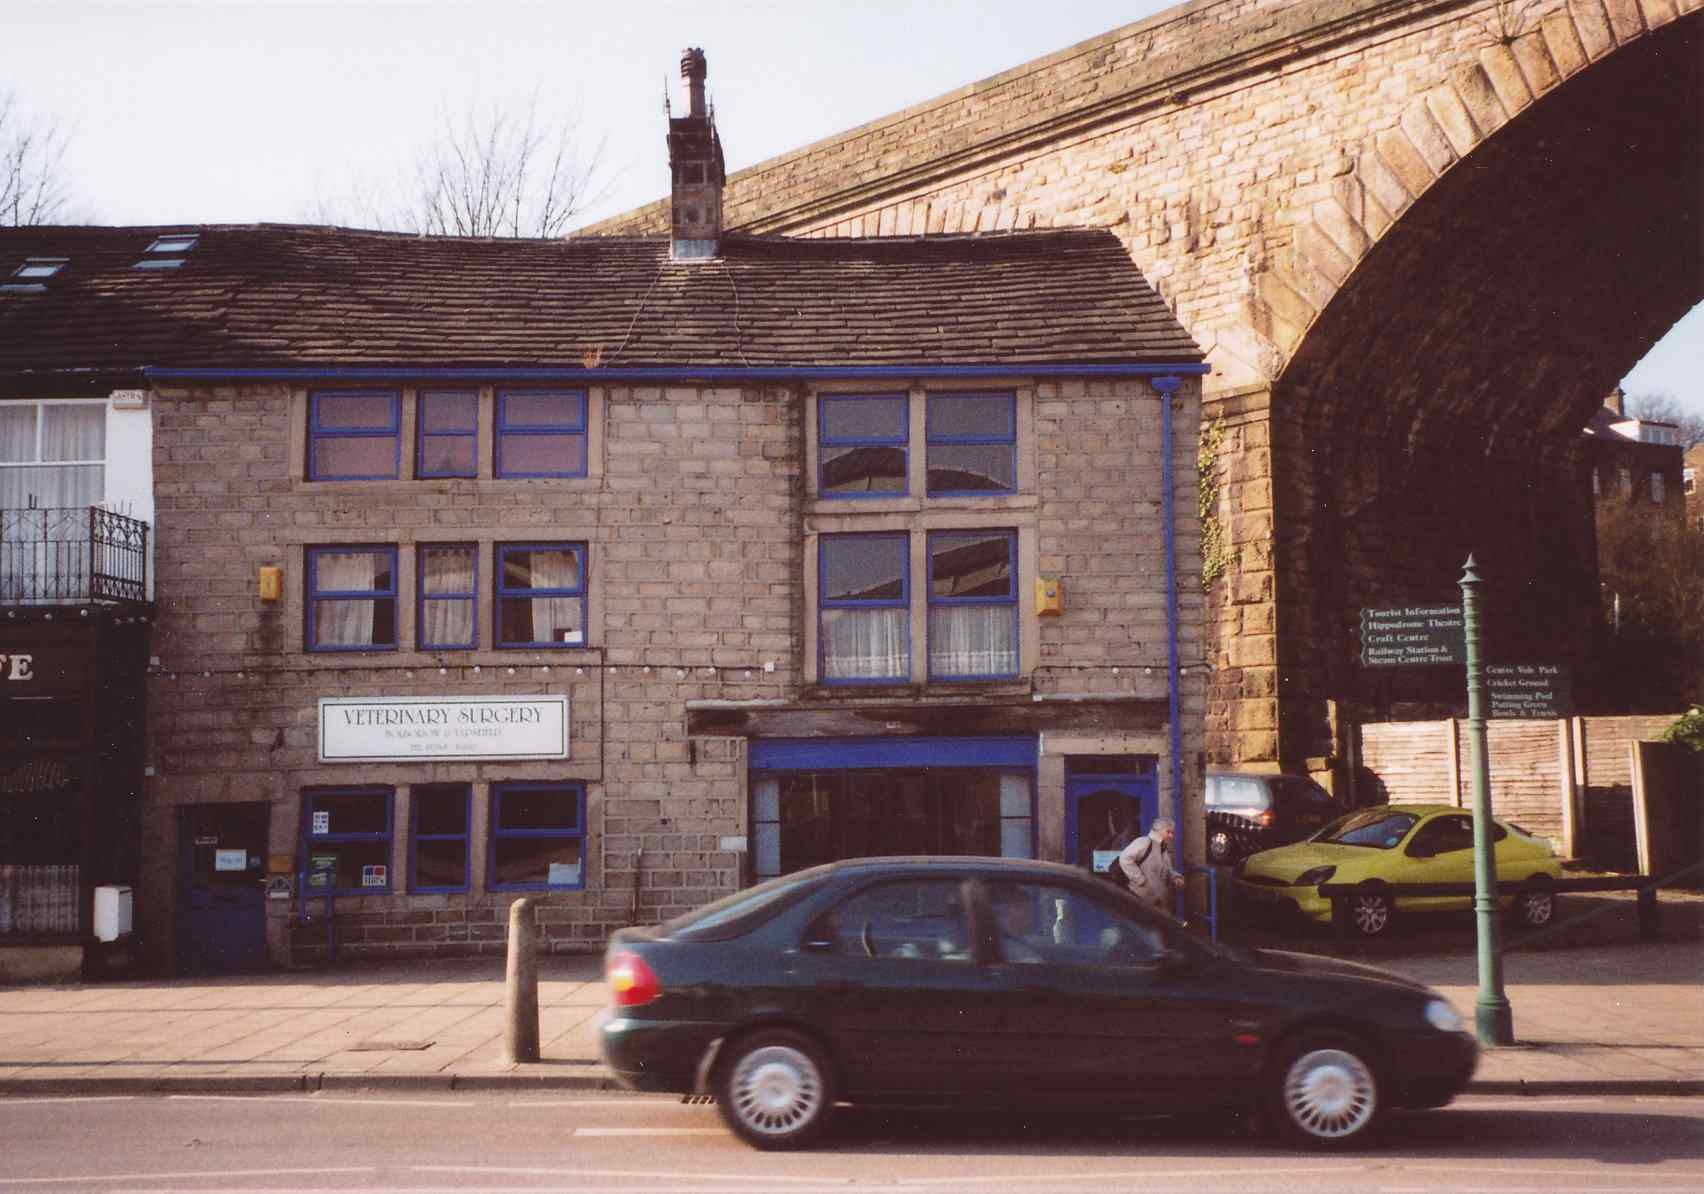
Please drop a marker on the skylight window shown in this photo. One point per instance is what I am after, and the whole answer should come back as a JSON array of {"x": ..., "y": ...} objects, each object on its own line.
[
  {"x": 177, "y": 242},
  {"x": 159, "y": 263},
  {"x": 40, "y": 267}
]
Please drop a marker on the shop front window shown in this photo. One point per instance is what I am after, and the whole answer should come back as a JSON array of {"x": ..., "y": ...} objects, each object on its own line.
[
  {"x": 803, "y": 818},
  {"x": 347, "y": 836}
]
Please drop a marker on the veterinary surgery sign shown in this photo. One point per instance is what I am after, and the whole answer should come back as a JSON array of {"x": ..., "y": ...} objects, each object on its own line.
[{"x": 395, "y": 729}]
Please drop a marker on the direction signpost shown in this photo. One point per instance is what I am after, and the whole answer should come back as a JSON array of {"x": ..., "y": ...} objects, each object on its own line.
[
  {"x": 1412, "y": 636},
  {"x": 1529, "y": 690}
]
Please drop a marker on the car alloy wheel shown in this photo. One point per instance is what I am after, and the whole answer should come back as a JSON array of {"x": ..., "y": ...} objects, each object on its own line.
[
  {"x": 1219, "y": 847},
  {"x": 1536, "y": 907},
  {"x": 1326, "y": 1095},
  {"x": 1371, "y": 913},
  {"x": 774, "y": 1089}
]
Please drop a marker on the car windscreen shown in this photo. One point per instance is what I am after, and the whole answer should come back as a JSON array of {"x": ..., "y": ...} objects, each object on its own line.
[
  {"x": 1237, "y": 792},
  {"x": 744, "y": 910},
  {"x": 1377, "y": 828},
  {"x": 1299, "y": 792}
]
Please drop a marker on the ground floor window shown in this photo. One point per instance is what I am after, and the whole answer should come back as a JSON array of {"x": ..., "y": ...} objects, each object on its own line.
[
  {"x": 538, "y": 837},
  {"x": 348, "y": 834},
  {"x": 41, "y": 843},
  {"x": 438, "y": 829},
  {"x": 827, "y": 801}
]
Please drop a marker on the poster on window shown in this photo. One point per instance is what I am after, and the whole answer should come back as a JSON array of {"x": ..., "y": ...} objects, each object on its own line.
[
  {"x": 322, "y": 822},
  {"x": 386, "y": 729},
  {"x": 373, "y": 876},
  {"x": 230, "y": 860}
]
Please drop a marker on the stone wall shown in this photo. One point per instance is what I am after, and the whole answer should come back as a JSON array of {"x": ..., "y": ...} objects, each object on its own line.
[{"x": 692, "y": 513}]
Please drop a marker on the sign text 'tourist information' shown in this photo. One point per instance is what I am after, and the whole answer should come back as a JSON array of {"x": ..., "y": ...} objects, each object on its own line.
[{"x": 1412, "y": 636}]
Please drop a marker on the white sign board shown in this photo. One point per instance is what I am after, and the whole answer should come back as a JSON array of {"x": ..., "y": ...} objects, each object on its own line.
[
  {"x": 385, "y": 729},
  {"x": 230, "y": 860}
]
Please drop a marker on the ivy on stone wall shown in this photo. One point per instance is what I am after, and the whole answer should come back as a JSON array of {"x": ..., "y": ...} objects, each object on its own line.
[{"x": 1214, "y": 554}]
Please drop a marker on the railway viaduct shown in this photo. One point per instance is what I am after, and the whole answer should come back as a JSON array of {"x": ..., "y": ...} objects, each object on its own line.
[{"x": 1419, "y": 241}]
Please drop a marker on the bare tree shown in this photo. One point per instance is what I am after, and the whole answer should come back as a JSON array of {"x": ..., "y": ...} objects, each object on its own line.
[
  {"x": 32, "y": 179},
  {"x": 487, "y": 173},
  {"x": 1666, "y": 408}
]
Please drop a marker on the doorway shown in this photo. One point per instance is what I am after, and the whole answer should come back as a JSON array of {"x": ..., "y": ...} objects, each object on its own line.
[
  {"x": 1109, "y": 802},
  {"x": 221, "y": 905}
]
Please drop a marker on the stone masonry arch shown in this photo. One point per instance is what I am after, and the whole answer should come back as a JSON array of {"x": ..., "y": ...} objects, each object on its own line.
[{"x": 1418, "y": 239}]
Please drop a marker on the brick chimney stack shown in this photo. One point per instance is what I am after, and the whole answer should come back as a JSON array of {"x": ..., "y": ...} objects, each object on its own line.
[{"x": 695, "y": 167}]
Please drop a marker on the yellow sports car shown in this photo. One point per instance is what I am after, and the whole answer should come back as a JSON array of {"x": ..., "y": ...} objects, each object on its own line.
[{"x": 1386, "y": 845}]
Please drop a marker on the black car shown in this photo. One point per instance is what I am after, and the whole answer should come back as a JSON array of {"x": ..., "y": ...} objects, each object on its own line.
[
  {"x": 947, "y": 981},
  {"x": 1250, "y": 811}
]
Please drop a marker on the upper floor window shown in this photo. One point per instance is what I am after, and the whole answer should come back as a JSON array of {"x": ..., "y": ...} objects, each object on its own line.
[
  {"x": 972, "y": 443},
  {"x": 541, "y": 433},
  {"x": 1626, "y": 482},
  {"x": 449, "y": 434},
  {"x": 52, "y": 454},
  {"x": 351, "y": 598},
  {"x": 1657, "y": 493},
  {"x": 447, "y": 612},
  {"x": 973, "y": 605},
  {"x": 541, "y": 594},
  {"x": 354, "y": 435},
  {"x": 1689, "y": 482},
  {"x": 863, "y": 440},
  {"x": 865, "y": 608}
]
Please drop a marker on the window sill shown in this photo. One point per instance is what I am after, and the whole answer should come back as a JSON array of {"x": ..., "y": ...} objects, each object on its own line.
[
  {"x": 912, "y": 504},
  {"x": 935, "y": 690}
]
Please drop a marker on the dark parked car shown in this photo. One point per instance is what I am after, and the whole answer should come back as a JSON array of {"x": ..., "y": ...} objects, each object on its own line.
[
  {"x": 947, "y": 981},
  {"x": 1248, "y": 811}
]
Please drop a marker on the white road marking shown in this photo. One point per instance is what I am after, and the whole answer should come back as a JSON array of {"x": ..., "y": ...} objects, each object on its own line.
[
  {"x": 66, "y": 1099},
  {"x": 650, "y": 1131},
  {"x": 1132, "y": 1174},
  {"x": 325, "y": 1100},
  {"x": 186, "y": 1175},
  {"x": 648, "y": 1175},
  {"x": 628, "y": 1101}
]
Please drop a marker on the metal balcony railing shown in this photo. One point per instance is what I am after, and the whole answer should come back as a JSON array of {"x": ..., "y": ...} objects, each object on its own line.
[{"x": 63, "y": 556}]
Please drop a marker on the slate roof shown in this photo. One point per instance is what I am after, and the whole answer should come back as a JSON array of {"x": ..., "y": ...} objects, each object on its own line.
[{"x": 278, "y": 296}]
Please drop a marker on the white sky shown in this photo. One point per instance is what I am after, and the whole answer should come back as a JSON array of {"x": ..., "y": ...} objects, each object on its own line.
[{"x": 239, "y": 111}]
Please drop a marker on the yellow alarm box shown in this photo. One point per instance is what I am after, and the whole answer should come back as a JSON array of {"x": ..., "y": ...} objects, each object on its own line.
[{"x": 1049, "y": 597}]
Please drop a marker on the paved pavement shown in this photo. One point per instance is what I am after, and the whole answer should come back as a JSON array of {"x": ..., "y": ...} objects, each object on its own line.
[{"x": 1600, "y": 1017}]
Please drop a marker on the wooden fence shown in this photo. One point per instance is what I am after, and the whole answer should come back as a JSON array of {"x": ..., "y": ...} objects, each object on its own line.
[{"x": 1569, "y": 780}]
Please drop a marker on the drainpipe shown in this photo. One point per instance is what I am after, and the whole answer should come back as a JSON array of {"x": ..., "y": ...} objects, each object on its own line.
[{"x": 1166, "y": 387}]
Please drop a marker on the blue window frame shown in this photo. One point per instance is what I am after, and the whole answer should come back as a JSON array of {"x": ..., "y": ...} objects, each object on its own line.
[
  {"x": 351, "y": 598},
  {"x": 538, "y": 837},
  {"x": 541, "y": 594},
  {"x": 438, "y": 820},
  {"x": 864, "y": 615},
  {"x": 350, "y": 827},
  {"x": 973, "y": 605},
  {"x": 448, "y": 608},
  {"x": 862, "y": 442},
  {"x": 449, "y": 434},
  {"x": 972, "y": 443},
  {"x": 541, "y": 433},
  {"x": 354, "y": 435}
]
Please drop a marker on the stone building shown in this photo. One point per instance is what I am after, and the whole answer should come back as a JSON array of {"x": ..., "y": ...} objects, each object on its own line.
[{"x": 622, "y": 572}]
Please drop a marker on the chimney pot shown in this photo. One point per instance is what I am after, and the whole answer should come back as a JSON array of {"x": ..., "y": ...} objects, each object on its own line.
[{"x": 693, "y": 69}]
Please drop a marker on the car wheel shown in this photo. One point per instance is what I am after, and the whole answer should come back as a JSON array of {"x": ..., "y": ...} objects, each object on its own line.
[
  {"x": 1220, "y": 848},
  {"x": 1371, "y": 913},
  {"x": 1536, "y": 907},
  {"x": 774, "y": 1089},
  {"x": 1324, "y": 1093}
]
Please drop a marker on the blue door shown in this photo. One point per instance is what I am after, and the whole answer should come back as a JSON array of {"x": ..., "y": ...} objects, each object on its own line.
[
  {"x": 1109, "y": 802},
  {"x": 221, "y": 904}
]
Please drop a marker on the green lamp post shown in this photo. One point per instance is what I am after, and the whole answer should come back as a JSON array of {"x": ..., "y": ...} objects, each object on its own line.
[{"x": 1492, "y": 1016}]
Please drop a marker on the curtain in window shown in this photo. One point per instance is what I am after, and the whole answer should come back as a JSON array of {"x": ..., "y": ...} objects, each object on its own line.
[
  {"x": 67, "y": 470},
  {"x": 556, "y": 619},
  {"x": 345, "y": 623},
  {"x": 973, "y": 640},
  {"x": 866, "y": 644},
  {"x": 449, "y": 570}
]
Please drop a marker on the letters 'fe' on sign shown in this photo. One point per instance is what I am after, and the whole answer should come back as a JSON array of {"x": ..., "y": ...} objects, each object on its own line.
[
  {"x": 1412, "y": 636},
  {"x": 1529, "y": 690}
]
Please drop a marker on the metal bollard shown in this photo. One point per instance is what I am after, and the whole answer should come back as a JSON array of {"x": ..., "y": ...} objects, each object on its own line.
[{"x": 520, "y": 994}]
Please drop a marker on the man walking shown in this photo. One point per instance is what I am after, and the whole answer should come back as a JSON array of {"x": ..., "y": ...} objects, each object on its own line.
[{"x": 1146, "y": 864}]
